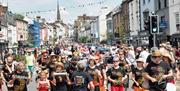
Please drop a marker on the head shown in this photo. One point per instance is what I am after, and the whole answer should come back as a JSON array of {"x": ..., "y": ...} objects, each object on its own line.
[
  {"x": 59, "y": 67},
  {"x": 116, "y": 61},
  {"x": 156, "y": 57},
  {"x": 140, "y": 62},
  {"x": 81, "y": 67},
  {"x": 53, "y": 58},
  {"x": 10, "y": 59},
  {"x": 92, "y": 61},
  {"x": 43, "y": 75},
  {"x": 121, "y": 55},
  {"x": 20, "y": 66},
  {"x": 166, "y": 57},
  {"x": 96, "y": 59}
]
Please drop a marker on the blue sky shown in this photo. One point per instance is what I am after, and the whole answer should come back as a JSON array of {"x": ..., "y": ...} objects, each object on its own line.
[{"x": 72, "y": 9}]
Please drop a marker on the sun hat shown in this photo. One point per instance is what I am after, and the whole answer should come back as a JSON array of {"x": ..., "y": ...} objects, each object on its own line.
[
  {"x": 156, "y": 53},
  {"x": 140, "y": 60}
]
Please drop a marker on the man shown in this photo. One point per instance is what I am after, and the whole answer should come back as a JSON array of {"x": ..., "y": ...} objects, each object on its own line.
[
  {"x": 57, "y": 50},
  {"x": 30, "y": 61},
  {"x": 81, "y": 80},
  {"x": 156, "y": 72},
  {"x": 8, "y": 72}
]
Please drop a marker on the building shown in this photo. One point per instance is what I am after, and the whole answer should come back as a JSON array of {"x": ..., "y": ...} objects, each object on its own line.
[
  {"x": 102, "y": 28},
  {"x": 109, "y": 24},
  {"x": 34, "y": 34},
  {"x": 94, "y": 31},
  {"x": 22, "y": 30},
  {"x": 134, "y": 20},
  {"x": 3, "y": 27},
  {"x": 162, "y": 10},
  {"x": 124, "y": 14},
  {"x": 174, "y": 21},
  {"x": 147, "y": 8},
  {"x": 11, "y": 31},
  {"x": 116, "y": 23},
  {"x": 82, "y": 26}
]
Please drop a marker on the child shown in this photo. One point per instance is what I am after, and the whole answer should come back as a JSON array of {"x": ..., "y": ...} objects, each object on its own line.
[
  {"x": 43, "y": 83},
  {"x": 137, "y": 75}
]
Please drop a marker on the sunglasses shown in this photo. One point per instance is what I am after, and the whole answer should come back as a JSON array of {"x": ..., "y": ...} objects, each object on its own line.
[
  {"x": 156, "y": 57},
  {"x": 115, "y": 61}
]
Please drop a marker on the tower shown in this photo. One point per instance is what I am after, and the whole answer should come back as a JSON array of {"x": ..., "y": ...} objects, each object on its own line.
[{"x": 58, "y": 12}]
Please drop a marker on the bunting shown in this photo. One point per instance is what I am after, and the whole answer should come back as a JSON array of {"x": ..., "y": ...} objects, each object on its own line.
[{"x": 71, "y": 7}]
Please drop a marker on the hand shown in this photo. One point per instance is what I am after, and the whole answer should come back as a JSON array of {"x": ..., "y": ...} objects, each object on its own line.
[
  {"x": 137, "y": 84},
  {"x": 114, "y": 81},
  {"x": 164, "y": 76},
  {"x": 153, "y": 80}
]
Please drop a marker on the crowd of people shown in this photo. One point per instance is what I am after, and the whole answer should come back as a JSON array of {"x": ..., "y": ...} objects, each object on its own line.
[{"x": 80, "y": 67}]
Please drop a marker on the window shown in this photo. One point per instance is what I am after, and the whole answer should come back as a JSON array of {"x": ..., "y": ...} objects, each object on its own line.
[
  {"x": 165, "y": 3},
  {"x": 177, "y": 19},
  {"x": 21, "y": 36},
  {"x": 159, "y": 4},
  {"x": 144, "y": 2},
  {"x": 162, "y": 18}
]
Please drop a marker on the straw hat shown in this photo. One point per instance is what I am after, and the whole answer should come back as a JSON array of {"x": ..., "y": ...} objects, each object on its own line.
[
  {"x": 162, "y": 45},
  {"x": 156, "y": 53},
  {"x": 166, "y": 54},
  {"x": 60, "y": 64}
]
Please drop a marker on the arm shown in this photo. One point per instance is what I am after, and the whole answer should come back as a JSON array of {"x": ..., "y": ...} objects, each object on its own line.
[
  {"x": 48, "y": 84},
  {"x": 170, "y": 73},
  {"x": 37, "y": 85},
  {"x": 111, "y": 80},
  {"x": 133, "y": 78},
  {"x": 146, "y": 76}
]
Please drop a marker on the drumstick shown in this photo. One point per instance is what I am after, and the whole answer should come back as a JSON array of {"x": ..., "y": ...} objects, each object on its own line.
[{"x": 137, "y": 83}]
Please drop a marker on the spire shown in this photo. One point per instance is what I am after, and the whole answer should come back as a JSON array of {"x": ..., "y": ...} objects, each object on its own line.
[{"x": 58, "y": 12}]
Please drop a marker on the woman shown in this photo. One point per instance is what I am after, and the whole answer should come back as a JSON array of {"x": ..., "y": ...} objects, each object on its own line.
[
  {"x": 171, "y": 80},
  {"x": 61, "y": 78},
  {"x": 137, "y": 75},
  {"x": 116, "y": 75},
  {"x": 95, "y": 73},
  {"x": 51, "y": 68}
]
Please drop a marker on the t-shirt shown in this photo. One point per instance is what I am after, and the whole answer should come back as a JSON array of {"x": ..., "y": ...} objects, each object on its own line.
[
  {"x": 80, "y": 81},
  {"x": 20, "y": 83},
  {"x": 138, "y": 76},
  {"x": 61, "y": 83},
  {"x": 156, "y": 71},
  {"x": 116, "y": 74},
  {"x": 29, "y": 60},
  {"x": 92, "y": 72}
]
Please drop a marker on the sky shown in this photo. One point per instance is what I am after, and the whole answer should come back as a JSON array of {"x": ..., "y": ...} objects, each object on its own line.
[{"x": 69, "y": 9}]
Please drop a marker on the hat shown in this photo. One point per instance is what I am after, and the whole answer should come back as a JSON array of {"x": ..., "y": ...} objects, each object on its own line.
[
  {"x": 166, "y": 54},
  {"x": 156, "y": 53},
  {"x": 60, "y": 64},
  {"x": 140, "y": 60},
  {"x": 52, "y": 54},
  {"x": 162, "y": 45}
]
